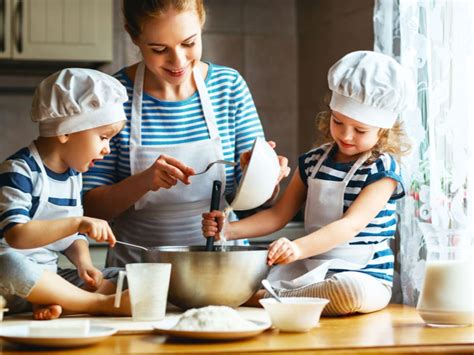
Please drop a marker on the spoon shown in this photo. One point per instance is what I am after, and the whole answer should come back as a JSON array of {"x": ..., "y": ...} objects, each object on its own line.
[
  {"x": 225, "y": 162},
  {"x": 271, "y": 291},
  {"x": 131, "y": 245}
]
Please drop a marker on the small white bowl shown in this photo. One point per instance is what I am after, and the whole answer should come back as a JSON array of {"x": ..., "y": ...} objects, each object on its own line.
[
  {"x": 259, "y": 178},
  {"x": 295, "y": 314}
]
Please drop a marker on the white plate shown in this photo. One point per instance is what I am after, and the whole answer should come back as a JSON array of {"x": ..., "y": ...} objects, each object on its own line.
[
  {"x": 20, "y": 334},
  {"x": 166, "y": 327}
]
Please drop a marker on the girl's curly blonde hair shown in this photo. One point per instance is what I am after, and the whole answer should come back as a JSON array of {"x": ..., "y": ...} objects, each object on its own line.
[{"x": 393, "y": 141}]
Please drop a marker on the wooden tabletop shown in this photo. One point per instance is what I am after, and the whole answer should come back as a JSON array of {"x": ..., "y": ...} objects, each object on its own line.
[{"x": 397, "y": 329}]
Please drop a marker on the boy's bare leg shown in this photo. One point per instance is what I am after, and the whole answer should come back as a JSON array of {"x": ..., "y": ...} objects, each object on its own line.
[
  {"x": 44, "y": 312},
  {"x": 106, "y": 288},
  {"x": 51, "y": 290}
]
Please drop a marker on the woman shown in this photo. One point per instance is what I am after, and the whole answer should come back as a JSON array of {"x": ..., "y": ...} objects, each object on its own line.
[{"x": 182, "y": 114}]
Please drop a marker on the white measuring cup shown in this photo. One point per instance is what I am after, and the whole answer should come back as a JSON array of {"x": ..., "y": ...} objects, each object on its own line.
[{"x": 148, "y": 285}]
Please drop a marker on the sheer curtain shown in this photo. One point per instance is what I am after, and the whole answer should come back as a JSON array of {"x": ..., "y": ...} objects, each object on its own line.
[{"x": 433, "y": 40}]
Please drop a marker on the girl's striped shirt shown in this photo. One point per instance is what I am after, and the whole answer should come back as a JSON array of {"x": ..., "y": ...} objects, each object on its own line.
[
  {"x": 176, "y": 122},
  {"x": 383, "y": 226}
]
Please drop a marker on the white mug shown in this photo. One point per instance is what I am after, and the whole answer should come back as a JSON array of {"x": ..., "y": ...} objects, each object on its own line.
[{"x": 148, "y": 285}]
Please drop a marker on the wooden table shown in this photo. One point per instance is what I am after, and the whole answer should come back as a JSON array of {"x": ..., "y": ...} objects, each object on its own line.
[{"x": 395, "y": 330}]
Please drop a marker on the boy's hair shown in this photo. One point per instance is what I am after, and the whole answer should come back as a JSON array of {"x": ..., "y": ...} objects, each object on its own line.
[{"x": 393, "y": 141}]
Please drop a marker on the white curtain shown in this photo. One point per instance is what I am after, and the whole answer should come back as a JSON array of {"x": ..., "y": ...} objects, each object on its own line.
[{"x": 434, "y": 41}]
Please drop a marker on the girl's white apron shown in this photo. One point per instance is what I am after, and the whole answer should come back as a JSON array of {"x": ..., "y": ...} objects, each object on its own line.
[{"x": 324, "y": 204}]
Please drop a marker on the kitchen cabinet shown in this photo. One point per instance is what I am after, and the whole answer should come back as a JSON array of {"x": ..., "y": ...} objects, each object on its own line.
[{"x": 56, "y": 30}]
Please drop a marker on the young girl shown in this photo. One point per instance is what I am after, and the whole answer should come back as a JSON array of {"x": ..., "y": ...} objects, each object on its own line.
[
  {"x": 350, "y": 186},
  {"x": 79, "y": 111}
]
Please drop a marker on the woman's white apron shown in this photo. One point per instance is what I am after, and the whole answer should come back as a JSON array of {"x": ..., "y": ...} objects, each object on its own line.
[
  {"x": 324, "y": 205},
  {"x": 173, "y": 216}
]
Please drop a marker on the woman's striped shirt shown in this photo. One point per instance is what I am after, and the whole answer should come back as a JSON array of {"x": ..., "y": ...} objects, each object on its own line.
[
  {"x": 167, "y": 123},
  {"x": 383, "y": 226}
]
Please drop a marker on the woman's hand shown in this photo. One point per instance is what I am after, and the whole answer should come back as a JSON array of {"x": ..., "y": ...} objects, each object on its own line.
[
  {"x": 283, "y": 251},
  {"x": 97, "y": 229},
  {"x": 212, "y": 224},
  {"x": 283, "y": 161},
  {"x": 165, "y": 173},
  {"x": 91, "y": 276}
]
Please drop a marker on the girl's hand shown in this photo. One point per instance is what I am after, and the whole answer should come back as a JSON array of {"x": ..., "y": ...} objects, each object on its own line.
[
  {"x": 212, "y": 224},
  {"x": 97, "y": 229},
  {"x": 283, "y": 161},
  {"x": 91, "y": 276},
  {"x": 165, "y": 173},
  {"x": 283, "y": 251}
]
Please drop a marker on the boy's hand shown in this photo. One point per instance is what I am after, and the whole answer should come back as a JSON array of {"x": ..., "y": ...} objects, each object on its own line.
[
  {"x": 283, "y": 251},
  {"x": 97, "y": 229},
  {"x": 91, "y": 276},
  {"x": 212, "y": 223}
]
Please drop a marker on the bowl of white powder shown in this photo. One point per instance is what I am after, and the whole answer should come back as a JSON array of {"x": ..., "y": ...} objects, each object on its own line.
[
  {"x": 215, "y": 323},
  {"x": 213, "y": 319},
  {"x": 201, "y": 278}
]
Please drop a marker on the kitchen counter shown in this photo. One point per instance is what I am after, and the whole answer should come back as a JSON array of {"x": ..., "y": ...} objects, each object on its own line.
[{"x": 395, "y": 330}]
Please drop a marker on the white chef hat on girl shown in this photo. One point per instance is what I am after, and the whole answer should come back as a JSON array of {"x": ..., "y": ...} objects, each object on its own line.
[
  {"x": 76, "y": 99},
  {"x": 370, "y": 87}
]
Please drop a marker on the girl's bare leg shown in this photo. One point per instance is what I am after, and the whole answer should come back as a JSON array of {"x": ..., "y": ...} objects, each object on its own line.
[{"x": 51, "y": 290}]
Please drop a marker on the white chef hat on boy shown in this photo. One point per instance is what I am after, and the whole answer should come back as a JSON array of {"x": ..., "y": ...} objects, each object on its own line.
[
  {"x": 76, "y": 99},
  {"x": 372, "y": 88}
]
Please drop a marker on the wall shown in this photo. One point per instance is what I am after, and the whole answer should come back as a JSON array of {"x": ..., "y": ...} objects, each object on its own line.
[
  {"x": 282, "y": 48},
  {"x": 258, "y": 38},
  {"x": 327, "y": 29}
]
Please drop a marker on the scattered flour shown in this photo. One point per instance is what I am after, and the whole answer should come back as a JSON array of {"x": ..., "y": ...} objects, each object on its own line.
[
  {"x": 223, "y": 240},
  {"x": 213, "y": 318}
]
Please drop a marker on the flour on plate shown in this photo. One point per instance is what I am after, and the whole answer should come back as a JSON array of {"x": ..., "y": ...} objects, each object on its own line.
[{"x": 213, "y": 318}]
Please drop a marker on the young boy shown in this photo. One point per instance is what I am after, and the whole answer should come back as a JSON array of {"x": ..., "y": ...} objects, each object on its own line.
[{"x": 79, "y": 111}]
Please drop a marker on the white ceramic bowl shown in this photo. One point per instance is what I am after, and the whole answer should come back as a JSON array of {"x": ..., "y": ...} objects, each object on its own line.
[
  {"x": 259, "y": 178},
  {"x": 295, "y": 314}
]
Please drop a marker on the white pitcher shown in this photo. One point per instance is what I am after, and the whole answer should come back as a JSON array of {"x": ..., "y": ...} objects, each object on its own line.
[{"x": 447, "y": 297}]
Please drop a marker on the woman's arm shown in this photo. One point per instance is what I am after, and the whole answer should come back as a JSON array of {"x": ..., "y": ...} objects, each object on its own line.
[
  {"x": 109, "y": 201},
  {"x": 363, "y": 210}
]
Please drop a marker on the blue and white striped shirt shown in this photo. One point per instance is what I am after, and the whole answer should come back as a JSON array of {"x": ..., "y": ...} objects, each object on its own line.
[
  {"x": 176, "y": 122},
  {"x": 383, "y": 226},
  {"x": 21, "y": 185}
]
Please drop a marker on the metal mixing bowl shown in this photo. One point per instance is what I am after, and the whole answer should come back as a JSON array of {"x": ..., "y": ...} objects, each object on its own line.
[{"x": 201, "y": 278}]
